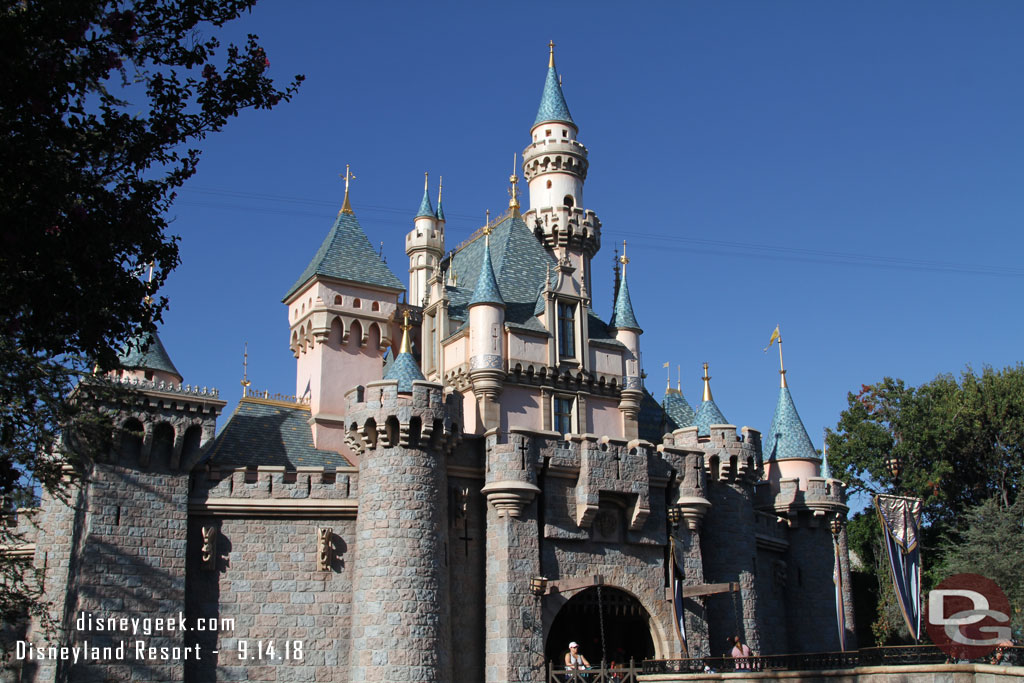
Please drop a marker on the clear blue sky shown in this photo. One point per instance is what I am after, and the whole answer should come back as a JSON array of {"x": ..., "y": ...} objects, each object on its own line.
[{"x": 853, "y": 171}]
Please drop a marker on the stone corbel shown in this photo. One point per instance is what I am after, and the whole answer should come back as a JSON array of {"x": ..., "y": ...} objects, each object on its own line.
[
  {"x": 693, "y": 508},
  {"x": 510, "y": 498},
  {"x": 324, "y": 549},
  {"x": 208, "y": 552}
]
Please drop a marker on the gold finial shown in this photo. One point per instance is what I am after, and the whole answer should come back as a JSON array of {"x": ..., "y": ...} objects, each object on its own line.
[
  {"x": 406, "y": 348},
  {"x": 440, "y": 181},
  {"x": 513, "y": 191},
  {"x": 487, "y": 222},
  {"x": 623, "y": 259},
  {"x": 426, "y": 181},
  {"x": 245, "y": 367},
  {"x": 668, "y": 378},
  {"x": 551, "y": 58},
  {"x": 707, "y": 384},
  {"x": 349, "y": 175}
]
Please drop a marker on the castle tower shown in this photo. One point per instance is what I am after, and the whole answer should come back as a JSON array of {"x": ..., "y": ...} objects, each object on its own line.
[
  {"x": 486, "y": 340},
  {"x": 677, "y": 409},
  {"x": 628, "y": 331},
  {"x": 400, "y": 615},
  {"x": 555, "y": 166},
  {"x": 117, "y": 548},
  {"x": 810, "y": 500},
  {"x": 425, "y": 246},
  {"x": 339, "y": 312}
]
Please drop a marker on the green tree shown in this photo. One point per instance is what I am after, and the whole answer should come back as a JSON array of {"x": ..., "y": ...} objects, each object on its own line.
[
  {"x": 101, "y": 105},
  {"x": 991, "y": 543},
  {"x": 961, "y": 443}
]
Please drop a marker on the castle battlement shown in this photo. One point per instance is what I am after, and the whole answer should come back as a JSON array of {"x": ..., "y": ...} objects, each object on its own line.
[
  {"x": 265, "y": 481},
  {"x": 820, "y": 499},
  {"x": 380, "y": 414}
]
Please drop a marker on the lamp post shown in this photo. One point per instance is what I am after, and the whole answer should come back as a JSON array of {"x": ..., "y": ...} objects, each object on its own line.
[
  {"x": 538, "y": 585},
  {"x": 894, "y": 466}
]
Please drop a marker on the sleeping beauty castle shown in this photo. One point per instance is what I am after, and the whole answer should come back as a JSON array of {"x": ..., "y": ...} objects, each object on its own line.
[{"x": 472, "y": 476}]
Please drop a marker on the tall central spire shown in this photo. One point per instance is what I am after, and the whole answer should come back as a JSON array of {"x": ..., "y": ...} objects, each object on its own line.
[{"x": 552, "y": 101}]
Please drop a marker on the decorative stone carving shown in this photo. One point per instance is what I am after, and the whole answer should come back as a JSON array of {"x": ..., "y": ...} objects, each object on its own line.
[
  {"x": 510, "y": 497},
  {"x": 208, "y": 552},
  {"x": 324, "y": 549}
]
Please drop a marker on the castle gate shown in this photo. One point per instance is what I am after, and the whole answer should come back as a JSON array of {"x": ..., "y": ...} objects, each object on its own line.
[{"x": 624, "y": 621}]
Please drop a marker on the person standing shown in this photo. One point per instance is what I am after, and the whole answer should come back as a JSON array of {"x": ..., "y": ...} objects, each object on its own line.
[
  {"x": 740, "y": 653},
  {"x": 574, "y": 661}
]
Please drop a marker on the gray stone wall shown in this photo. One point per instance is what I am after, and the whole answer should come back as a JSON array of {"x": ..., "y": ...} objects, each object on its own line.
[
  {"x": 266, "y": 589},
  {"x": 811, "y": 593}
]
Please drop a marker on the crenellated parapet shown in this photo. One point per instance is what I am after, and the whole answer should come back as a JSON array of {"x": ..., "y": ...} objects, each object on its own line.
[
  {"x": 565, "y": 226},
  {"x": 378, "y": 415},
  {"x": 821, "y": 501},
  {"x": 728, "y": 456},
  {"x": 275, "y": 491},
  {"x": 555, "y": 155}
]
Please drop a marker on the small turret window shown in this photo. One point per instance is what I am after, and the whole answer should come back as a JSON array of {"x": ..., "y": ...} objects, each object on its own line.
[
  {"x": 356, "y": 303},
  {"x": 569, "y": 201},
  {"x": 547, "y": 133},
  {"x": 375, "y": 306},
  {"x": 566, "y": 330},
  {"x": 549, "y": 185},
  {"x": 337, "y": 300}
]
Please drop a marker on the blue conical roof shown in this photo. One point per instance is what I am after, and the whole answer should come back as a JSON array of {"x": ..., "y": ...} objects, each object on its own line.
[
  {"x": 623, "y": 317},
  {"x": 678, "y": 409},
  {"x": 346, "y": 254},
  {"x": 552, "y": 102},
  {"x": 708, "y": 414},
  {"x": 486, "y": 290},
  {"x": 155, "y": 356},
  {"x": 787, "y": 437},
  {"x": 425, "y": 208},
  {"x": 439, "y": 214},
  {"x": 406, "y": 370}
]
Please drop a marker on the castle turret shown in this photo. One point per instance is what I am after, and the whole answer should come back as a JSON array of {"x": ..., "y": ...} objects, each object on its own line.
[
  {"x": 708, "y": 413},
  {"x": 339, "y": 311},
  {"x": 145, "y": 358},
  {"x": 425, "y": 246},
  {"x": 627, "y": 331},
  {"x": 677, "y": 408},
  {"x": 555, "y": 166},
  {"x": 401, "y": 627},
  {"x": 790, "y": 453},
  {"x": 486, "y": 340}
]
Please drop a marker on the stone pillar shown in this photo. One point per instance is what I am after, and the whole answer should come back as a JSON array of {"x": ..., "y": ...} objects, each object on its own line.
[
  {"x": 400, "y": 617},
  {"x": 514, "y": 633}
]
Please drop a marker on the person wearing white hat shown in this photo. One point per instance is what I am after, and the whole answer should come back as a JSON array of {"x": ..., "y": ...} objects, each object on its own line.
[{"x": 574, "y": 661}]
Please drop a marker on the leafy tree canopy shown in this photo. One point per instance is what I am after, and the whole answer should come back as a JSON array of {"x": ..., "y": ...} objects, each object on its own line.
[{"x": 102, "y": 103}]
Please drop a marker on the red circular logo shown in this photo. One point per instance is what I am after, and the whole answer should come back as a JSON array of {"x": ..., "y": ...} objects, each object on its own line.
[{"x": 967, "y": 616}]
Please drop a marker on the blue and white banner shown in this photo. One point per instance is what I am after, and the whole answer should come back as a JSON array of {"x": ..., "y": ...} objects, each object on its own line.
[{"x": 901, "y": 520}]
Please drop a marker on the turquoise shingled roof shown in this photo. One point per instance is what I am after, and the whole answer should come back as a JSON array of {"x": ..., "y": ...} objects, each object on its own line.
[
  {"x": 678, "y": 410},
  {"x": 651, "y": 419},
  {"x": 439, "y": 215},
  {"x": 346, "y": 254},
  {"x": 406, "y": 370},
  {"x": 622, "y": 316},
  {"x": 787, "y": 437},
  {"x": 425, "y": 208},
  {"x": 153, "y": 358},
  {"x": 267, "y": 433},
  {"x": 708, "y": 414},
  {"x": 519, "y": 263},
  {"x": 486, "y": 290},
  {"x": 552, "y": 102}
]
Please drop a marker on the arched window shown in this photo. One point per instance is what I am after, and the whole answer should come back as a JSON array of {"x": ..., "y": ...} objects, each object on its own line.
[
  {"x": 356, "y": 303},
  {"x": 338, "y": 300},
  {"x": 569, "y": 201}
]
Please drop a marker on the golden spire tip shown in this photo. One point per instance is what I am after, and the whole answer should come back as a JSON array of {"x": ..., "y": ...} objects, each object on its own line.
[
  {"x": 707, "y": 384},
  {"x": 551, "y": 57},
  {"x": 405, "y": 327},
  {"x": 345, "y": 206}
]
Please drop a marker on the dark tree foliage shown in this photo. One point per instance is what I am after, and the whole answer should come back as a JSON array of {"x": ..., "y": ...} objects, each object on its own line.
[
  {"x": 961, "y": 443},
  {"x": 101, "y": 106}
]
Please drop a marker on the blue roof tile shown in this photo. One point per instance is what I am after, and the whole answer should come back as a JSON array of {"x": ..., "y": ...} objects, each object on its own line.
[
  {"x": 623, "y": 317},
  {"x": 154, "y": 357},
  {"x": 787, "y": 437},
  {"x": 552, "y": 101},
  {"x": 708, "y": 414},
  {"x": 270, "y": 433},
  {"x": 346, "y": 254},
  {"x": 678, "y": 410},
  {"x": 486, "y": 289},
  {"x": 425, "y": 208},
  {"x": 405, "y": 369}
]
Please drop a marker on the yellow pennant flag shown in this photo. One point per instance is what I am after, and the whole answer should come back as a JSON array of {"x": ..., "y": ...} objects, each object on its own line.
[
  {"x": 774, "y": 338},
  {"x": 665, "y": 365}
]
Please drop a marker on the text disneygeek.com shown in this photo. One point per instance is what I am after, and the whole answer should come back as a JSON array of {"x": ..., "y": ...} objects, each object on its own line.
[{"x": 136, "y": 648}]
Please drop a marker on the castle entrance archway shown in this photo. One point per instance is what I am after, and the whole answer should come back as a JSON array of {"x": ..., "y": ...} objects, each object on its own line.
[{"x": 627, "y": 627}]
